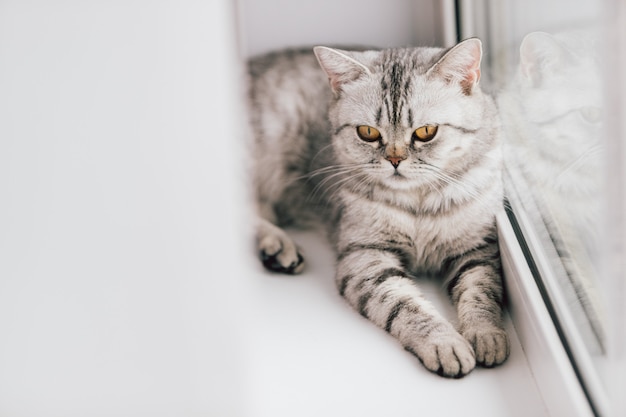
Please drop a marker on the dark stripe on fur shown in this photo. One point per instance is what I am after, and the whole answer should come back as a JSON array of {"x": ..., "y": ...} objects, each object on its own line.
[
  {"x": 491, "y": 239},
  {"x": 469, "y": 265},
  {"x": 448, "y": 263},
  {"x": 389, "y": 117},
  {"x": 362, "y": 304},
  {"x": 343, "y": 283},
  {"x": 388, "y": 273},
  {"x": 397, "y": 74},
  {"x": 379, "y": 278},
  {"x": 342, "y": 127},
  {"x": 489, "y": 248},
  {"x": 402, "y": 255},
  {"x": 395, "y": 310},
  {"x": 462, "y": 129}
]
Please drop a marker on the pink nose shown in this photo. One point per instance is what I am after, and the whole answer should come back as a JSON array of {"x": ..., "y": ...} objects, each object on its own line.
[{"x": 395, "y": 160}]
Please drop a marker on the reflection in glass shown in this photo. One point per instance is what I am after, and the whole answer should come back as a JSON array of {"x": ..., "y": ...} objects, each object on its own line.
[{"x": 552, "y": 116}]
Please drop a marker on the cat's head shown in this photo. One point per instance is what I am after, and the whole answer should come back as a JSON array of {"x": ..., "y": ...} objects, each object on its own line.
[
  {"x": 553, "y": 108},
  {"x": 559, "y": 87},
  {"x": 408, "y": 118}
]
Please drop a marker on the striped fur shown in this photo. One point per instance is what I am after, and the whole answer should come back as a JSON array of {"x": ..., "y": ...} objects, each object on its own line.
[{"x": 430, "y": 212}]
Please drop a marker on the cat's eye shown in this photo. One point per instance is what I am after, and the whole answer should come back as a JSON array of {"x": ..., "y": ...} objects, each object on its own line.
[
  {"x": 425, "y": 133},
  {"x": 368, "y": 133}
]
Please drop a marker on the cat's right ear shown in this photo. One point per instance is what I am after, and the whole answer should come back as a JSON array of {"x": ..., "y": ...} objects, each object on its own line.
[
  {"x": 340, "y": 67},
  {"x": 461, "y": 65},
  {"x": 541, "y": 55}
]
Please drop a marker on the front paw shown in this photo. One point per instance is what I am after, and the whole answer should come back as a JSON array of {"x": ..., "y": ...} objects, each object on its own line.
[
  {"x": 278, "y": 252},
  {"x": 490, "y": 343},
  {"x": 446, "y": 353}
]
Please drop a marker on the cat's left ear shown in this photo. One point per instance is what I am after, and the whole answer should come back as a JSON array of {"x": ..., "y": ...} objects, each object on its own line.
[
  {"x": 340, "y": 66},
  {"x": 461, "y": 65}
]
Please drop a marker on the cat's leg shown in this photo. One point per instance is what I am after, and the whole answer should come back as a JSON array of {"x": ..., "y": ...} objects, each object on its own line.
[
  {"x": 275, "y": 247},
  {"x": 277, "y": 250},
  {"x": 375, "y": 283},
  {"x": 475, "y": 288}
]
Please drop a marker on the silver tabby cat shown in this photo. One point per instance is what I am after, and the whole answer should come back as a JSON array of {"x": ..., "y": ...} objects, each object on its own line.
[{"x": 400, "y": 158}]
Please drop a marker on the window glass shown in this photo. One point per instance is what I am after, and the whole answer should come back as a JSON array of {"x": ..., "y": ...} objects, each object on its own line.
[{"x": 545, "y": 63}]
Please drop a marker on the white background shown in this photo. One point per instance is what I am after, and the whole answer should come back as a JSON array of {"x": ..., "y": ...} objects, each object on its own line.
[
  {"x": 272, "y": 24},
  {"x": 119, "y": 213}
]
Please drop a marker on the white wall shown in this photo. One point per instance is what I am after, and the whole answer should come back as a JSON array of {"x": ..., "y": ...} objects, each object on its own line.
[
  {"x": 271, "y": 24},
  {"x": 119, "y": 211}
]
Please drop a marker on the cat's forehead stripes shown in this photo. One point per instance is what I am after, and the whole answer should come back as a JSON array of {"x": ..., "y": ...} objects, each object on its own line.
[{"x": 397, "y": 69}]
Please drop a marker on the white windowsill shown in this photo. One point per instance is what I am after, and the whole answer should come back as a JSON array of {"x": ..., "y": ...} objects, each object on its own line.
[
  {"x": 309, "y": 354},
  {"x": 547, "y": 359}
]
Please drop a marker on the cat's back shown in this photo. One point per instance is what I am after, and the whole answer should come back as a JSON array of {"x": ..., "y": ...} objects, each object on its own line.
[
  {"x": 289, "y": 84},
  {"x": 275, "y": 64},
  {"x": 288, "y": 98}
]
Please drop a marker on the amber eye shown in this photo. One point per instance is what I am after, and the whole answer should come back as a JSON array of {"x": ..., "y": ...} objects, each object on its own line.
[
  {"x": 368, "y": 133},
  {"x": 425, "y": 133}
]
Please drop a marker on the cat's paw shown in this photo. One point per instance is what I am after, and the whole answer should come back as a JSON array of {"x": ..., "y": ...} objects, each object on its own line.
[
  {"x": 278, "y": 252},
  {"x": 446, "y": 353},
  {"x": 490, "y": 343}
]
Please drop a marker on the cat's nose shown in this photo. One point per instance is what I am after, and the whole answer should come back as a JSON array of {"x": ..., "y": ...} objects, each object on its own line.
[{"x": 395, "y": 160}]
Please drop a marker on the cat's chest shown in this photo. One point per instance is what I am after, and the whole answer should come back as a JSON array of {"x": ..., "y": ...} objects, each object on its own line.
[
  {"x": 439, "y": 236},
  {"x": 427, "y": 238}
]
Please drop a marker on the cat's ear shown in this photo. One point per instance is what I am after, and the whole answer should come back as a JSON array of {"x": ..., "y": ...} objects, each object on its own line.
[
  {"x": 540, "y": 56},
  {"x": 461, "y": 65},
  {"x": 340, "y": 67}
]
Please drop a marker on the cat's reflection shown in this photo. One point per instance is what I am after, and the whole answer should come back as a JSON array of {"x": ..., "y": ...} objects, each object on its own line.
[{"x": 552, "y": 112}]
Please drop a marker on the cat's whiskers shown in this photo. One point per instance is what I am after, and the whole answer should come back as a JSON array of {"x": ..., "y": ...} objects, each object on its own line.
[
  {"x": 330, "y": 193},
  {"x": 459, "y": 182},
  {"x": 336, "y": 171},
  {"x": 435, "y": 188},
  {"x": 324, "y": 149},
  {"x": 332, "y": 169},
  {"x": 365, "y": 179}
]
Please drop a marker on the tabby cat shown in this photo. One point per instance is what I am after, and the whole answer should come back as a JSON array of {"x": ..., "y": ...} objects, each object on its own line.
[{"x": 397, "y": 152}]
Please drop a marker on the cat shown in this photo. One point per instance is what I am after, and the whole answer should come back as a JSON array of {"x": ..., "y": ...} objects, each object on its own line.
[{"x": 397, "y": 152}]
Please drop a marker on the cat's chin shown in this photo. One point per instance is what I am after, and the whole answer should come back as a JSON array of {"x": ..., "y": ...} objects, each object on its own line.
[{"x": 400, "y": 182}]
